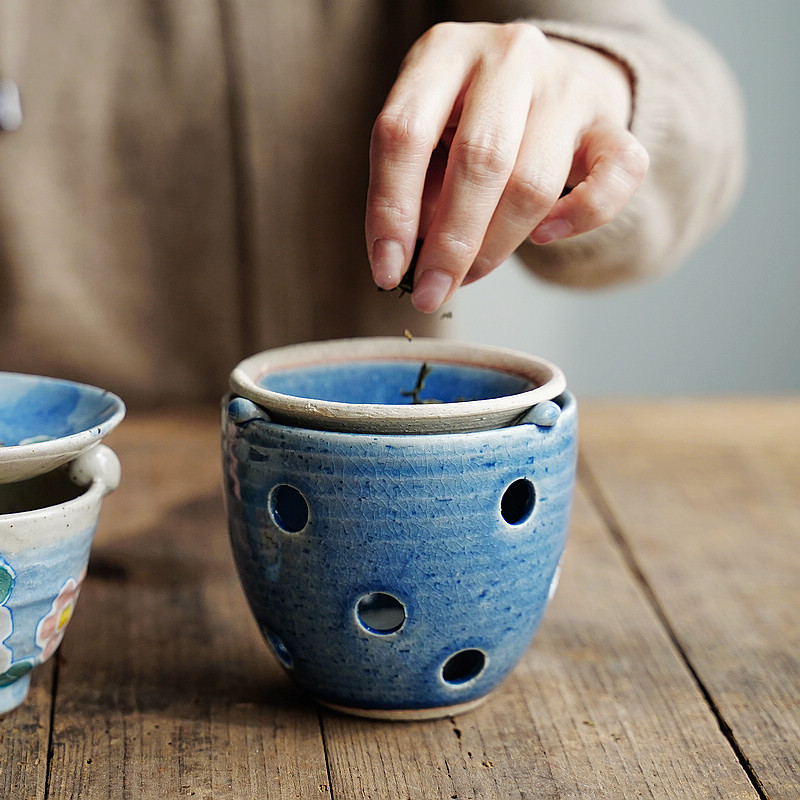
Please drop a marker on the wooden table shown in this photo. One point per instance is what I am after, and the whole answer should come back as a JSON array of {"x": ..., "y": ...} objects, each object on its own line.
[{"x": 668, "y": 665}]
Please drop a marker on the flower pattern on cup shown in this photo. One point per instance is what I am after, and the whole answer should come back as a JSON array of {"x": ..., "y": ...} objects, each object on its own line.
[
  {"x": 50, "y": 630},
  {"x": 6, "y": 622}
]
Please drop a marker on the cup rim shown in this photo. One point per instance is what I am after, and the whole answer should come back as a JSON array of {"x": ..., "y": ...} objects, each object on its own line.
[
  {"x": 547, "y": 381},
  {"x": 21, "y": 461}
]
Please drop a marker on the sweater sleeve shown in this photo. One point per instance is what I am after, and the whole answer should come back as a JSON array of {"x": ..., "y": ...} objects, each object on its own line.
[{"x": 688, "y": 114}]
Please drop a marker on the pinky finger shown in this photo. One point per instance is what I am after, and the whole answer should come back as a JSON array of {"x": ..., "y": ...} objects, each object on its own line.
[{"x": 617, "y": 164}]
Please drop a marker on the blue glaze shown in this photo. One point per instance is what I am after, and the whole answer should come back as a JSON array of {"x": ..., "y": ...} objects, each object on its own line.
[
  {"x": 411, "y": 527},
  {"x": 241, "y": 410},
  {"x": 42, "y": 574},
  {"x": 34, "y": 408},
  {"x": 544, "y": 414},
  {"x": 392, "y": 382},
  {"x": 44, "y": 585}
]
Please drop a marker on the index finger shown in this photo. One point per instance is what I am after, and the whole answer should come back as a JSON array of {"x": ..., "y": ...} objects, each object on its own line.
[{"x": 404, "y": 136}]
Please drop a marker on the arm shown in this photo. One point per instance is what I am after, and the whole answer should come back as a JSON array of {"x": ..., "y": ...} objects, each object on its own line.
[{"x": 517, "y": 116}]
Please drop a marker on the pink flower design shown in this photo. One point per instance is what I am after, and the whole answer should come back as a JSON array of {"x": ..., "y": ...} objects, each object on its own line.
[{"x": 50, "y": 630}]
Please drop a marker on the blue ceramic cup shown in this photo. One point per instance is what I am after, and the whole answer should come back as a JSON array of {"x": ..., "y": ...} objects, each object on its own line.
[{"x": 398, "y": 575}]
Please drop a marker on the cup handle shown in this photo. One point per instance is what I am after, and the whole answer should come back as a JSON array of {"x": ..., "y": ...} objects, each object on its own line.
[{"x": 98, "y": 463}]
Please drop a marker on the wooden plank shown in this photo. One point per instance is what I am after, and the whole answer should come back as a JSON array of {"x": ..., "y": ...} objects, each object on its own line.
[
  {"x": 601, "y": 706},
  {"x": 706, "y": 496},
  {"x": 24, "y": 735},
  {"x": 166, "y": 689}
]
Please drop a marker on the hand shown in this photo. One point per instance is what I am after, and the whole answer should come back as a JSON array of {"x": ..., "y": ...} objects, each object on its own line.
[{"x": 482, "y": 131}]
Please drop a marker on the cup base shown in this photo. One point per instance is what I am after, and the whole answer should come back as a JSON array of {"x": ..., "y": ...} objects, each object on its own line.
[
  {"x": 15, "y": 694},
  {"x": 406, "y": 714}
]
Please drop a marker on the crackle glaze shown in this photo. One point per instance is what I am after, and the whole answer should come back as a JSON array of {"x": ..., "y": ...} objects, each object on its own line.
[
  {"x": 47, "y": 525},
  {"x": 399, "y": 576}
]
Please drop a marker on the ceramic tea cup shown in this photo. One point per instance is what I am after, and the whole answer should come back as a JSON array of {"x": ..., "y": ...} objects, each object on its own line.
[
  {"x": 398, "y": 575},
  {"x": 54, "y": 473},
  {"x": 47, "y": 524},
  {"x": 396, "y": 385}
]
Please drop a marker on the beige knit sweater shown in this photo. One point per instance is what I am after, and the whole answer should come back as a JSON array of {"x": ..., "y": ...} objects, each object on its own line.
[{"x": 188, "y": 183}]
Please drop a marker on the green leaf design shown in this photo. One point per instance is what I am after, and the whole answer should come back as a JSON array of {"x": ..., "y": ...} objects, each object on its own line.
[
  {"x": 6, "y": 581},
  {"x": 17, "y": 670}
]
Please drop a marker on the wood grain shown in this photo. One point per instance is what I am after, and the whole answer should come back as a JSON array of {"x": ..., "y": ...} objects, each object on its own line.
[
  {"x": 706, "y": 497},
  {"x": 667, "y": 664},
  {"x": 166, "y": 689},
  {"x": 24, "y": 735}
]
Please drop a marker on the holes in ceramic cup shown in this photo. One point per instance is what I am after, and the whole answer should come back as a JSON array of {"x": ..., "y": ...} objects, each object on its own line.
[
  {"x": 518, "y": 501},
  {"x": 289, "y": 508},
  {"x": 463, "y": 666},
  {"x": 282, "y": 652},
  {"x": 381, "y": 613}
]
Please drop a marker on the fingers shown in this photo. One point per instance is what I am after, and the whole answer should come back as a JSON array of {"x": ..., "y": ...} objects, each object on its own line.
[
  {"x": 483, "y": 129},
  {"x": 489, "y": 91},
  {"x": 481, "y": 159},
  {"x": 404, "y": 138},
  {"x": 616, "y": 167},
  {"x": 533, "y": 201},
  {"x": 533, "y": 188}
]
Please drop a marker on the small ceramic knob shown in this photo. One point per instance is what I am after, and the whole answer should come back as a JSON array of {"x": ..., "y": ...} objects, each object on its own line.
[
  {"x": 242, "y": 410},
  {"x": 544, "y": 414}
]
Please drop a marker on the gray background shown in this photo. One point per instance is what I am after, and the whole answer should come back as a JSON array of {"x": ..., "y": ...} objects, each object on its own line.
[{"x": 727, "y": 321}]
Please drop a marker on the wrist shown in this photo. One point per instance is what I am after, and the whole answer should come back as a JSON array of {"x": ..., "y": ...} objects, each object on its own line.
[{"x": 610, "y": 77}]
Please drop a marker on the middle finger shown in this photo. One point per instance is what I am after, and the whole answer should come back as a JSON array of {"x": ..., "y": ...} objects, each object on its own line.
[
  {"x": 481, "y": 158},
  {"x": 535, "y": 185}
]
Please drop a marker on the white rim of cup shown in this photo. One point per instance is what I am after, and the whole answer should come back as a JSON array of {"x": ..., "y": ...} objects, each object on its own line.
[{"x": 548, "y": 381}]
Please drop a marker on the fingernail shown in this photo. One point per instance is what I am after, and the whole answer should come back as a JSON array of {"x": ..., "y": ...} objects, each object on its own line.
[
  {"x": 388, "y": 263},
  {"x": 551, "y": 230},
  {"x": 431, "y": 290}
]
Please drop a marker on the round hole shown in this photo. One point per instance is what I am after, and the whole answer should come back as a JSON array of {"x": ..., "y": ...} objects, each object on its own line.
[
  {"x": 289, "y": 508},
  {"x": 518, "y": 501},
  {"x": 463, "y": 666},
  {"x": 282, "y": 652},
  {"x": 381, "y": 613}
]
